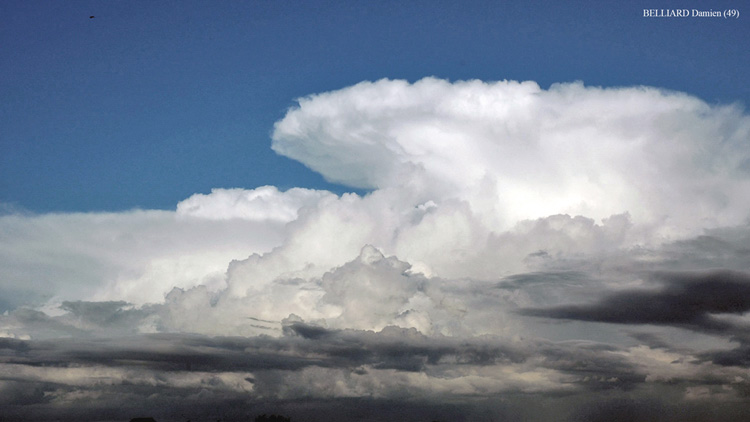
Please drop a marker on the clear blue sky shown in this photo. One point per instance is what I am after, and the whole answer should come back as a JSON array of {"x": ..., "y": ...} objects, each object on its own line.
[{"x": 152, "y": 101}]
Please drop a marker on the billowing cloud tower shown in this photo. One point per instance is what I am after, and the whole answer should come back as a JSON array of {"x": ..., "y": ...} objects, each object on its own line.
[{"x": 521, "y": 252}]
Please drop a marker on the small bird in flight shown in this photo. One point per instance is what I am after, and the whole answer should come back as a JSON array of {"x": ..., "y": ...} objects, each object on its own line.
[{"x": 91, "y": 17}]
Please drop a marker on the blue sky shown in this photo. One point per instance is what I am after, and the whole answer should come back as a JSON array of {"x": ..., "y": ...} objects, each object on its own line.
[{"x": 150, "y": 102}]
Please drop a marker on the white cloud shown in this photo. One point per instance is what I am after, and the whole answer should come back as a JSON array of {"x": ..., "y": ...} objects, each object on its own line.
[
  {"x": 518, "y": 151},
  {"x": 486, "y": 198},
  {"x": 458, "y": 168},
  {"x": 139, "y": 256},
  {"x": 472, "y": 180},
  {"x": 265, "y": 203}
]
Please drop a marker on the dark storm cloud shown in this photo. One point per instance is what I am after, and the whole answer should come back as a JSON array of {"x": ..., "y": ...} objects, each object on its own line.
[
  {"x": 81, "y": 319},
  {"x": 162, "y": 352},
  {"x": 26, "y": 397},
  {"x": 739, "y": 356},
  {"x": 389, "y": 348},
  {"x": 149, "y": 365},
  {"x": 13, "y": 345},
  {"x": 41, "y": 323},
  {"x": 564, "y": 278},
  {"x": 596, "y": 366},
  {"x": 304, "y": 345},
  {"x": 102, "y": 312},
  {"x": 402, "y": 349},
  {"x": 683, "y": 299},
  {"x": 105, "y": 316},
  {"x": 652, "y": 340},
  {"x": 393, "y": 348},
  {"x": 592, "y": 365},
  {"x": 727, "y": 248}
]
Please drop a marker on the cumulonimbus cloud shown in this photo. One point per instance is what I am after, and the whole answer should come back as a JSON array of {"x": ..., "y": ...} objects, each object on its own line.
[
  {"x": 524, "y": 152},
  {"x": 493, "y": 207}
]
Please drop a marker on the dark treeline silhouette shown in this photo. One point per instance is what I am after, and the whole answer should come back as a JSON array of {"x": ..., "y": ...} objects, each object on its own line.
[
  {"x": 272, "y": 418},
  {"x": 261, "y": 418}
]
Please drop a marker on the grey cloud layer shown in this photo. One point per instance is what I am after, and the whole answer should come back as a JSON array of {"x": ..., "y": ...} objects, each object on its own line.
[
  {"x": 236, "y": 376},
  {"x": 685, "y": 300}
]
